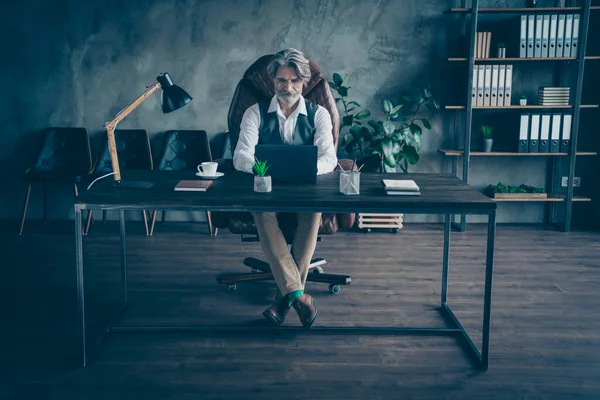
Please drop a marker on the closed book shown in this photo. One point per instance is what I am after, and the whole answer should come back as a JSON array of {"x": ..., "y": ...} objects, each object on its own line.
[
  {"x": 400, "y": 185},
  {"x": 402, "y": 193},
  {"x": 193, "y": 186}
]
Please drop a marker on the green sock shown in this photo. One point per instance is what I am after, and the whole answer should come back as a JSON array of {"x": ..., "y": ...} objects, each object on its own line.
[{"x": 293, "y": 296}]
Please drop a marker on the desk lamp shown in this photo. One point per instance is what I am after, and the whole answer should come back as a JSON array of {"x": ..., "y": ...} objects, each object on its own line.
[{"x": 173, "y": 97}]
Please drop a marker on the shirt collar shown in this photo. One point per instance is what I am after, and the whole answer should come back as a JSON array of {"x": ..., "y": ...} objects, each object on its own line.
[{"x": 274, "y": 106}]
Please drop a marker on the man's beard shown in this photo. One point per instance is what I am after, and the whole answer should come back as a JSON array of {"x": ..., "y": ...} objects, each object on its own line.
[{"x": 288, "y": 98}]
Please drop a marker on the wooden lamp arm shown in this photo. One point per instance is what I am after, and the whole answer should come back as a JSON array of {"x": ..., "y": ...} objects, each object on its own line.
[{"x": 111, "y": 126}]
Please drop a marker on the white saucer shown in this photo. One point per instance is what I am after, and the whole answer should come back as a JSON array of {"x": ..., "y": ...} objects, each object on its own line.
[{"x": 215, "y": 176}]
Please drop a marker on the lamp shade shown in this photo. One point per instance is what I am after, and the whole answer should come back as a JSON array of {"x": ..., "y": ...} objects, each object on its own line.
[{"x": 173, "y": 97}]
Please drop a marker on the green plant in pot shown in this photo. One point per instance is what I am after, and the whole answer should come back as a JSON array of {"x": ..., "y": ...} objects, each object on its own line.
[
  {"x": 397, "y": 139},
  {"x": 262, "y": 181},
  {"x": 487, "y": 136},
  {"x": 391, "y": 142}
]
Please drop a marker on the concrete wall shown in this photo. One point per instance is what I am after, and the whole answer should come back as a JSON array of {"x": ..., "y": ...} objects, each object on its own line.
[{"x": 78, "y": 63}]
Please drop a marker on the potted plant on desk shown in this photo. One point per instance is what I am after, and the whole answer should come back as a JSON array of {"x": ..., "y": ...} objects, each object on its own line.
[{"x": 262, "y": 181}]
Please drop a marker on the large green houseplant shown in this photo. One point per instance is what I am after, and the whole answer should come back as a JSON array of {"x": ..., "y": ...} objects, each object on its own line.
[{"x": 393, "y": 141}]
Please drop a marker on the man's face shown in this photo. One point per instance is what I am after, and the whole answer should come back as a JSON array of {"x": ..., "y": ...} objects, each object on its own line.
[{"x": 288, "y": 86}]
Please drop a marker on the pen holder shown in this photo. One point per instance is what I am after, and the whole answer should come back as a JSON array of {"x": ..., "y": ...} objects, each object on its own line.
[{"x": 350, "y": 182}]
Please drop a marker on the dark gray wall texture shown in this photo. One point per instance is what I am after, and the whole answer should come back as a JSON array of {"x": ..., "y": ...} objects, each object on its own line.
[{"x": 77, "y": 63}]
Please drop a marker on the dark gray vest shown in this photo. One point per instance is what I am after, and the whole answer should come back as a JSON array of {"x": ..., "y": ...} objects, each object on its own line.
[{"x": 268, "y": 131}]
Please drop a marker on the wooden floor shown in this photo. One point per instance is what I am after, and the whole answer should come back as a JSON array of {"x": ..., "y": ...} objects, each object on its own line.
[{"x": 545, "y": 335}]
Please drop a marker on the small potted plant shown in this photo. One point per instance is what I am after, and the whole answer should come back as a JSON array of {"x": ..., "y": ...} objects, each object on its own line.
[
  {"x": 501, "y": 50},
  {"x": 262, "y": 181},
  {"x": 487, "y": 137},
  {"x": 523, "y": 100}
]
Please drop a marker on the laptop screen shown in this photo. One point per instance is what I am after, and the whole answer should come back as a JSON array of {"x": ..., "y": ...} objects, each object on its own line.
[{"x": 289, "y": 163}]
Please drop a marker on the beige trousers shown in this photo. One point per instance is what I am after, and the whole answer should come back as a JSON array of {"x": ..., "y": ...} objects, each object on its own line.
[{"x": 289, "y": 270}]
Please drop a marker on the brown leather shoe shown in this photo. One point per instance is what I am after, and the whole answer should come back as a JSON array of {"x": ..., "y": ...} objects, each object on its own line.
[
  {"x": 306, "y": 309},
  {"x": 277, "y": 312}
]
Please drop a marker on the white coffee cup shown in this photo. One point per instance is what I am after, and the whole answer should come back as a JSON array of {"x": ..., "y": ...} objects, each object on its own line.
[{"x": 208, "y": 168}]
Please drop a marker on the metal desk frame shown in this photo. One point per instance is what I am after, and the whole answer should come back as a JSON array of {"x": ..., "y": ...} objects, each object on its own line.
[{"x": 480, "y": 358}]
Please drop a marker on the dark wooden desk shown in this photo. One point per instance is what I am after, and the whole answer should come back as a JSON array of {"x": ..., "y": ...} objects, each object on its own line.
[{"x": 440, "y": 194}]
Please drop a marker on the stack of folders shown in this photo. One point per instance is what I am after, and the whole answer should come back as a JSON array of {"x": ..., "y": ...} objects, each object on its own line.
[
  {"x": 482, "y": 44},
  {"x": 549, "y": 35},
  {"x": 545, "y": 133},
  {"x": 553, "y": 96},
  {"x": 404, "y": 187},
  {"x": 492, "y": 85}
]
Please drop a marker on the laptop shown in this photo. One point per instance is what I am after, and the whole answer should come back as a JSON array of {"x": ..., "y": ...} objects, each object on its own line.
[{"x": 289, "y": 163}]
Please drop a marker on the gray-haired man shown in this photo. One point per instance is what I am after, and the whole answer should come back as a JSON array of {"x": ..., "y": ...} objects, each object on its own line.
[{"x": 289, "y": 119}]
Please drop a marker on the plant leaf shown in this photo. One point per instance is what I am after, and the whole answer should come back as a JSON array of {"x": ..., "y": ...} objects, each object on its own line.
[
  {"x": 353, "y": 102},
  {"x": 427, "y": 92},
  {"x": 436, "y": 104},
  {"x": 338, "y": 99},
  {"x": 351, "y": 109},
  {"x": 347, "y": 120},
  {"x": 333, "y": 85},
  {"x": 387, "y": 106},
  {"x": 363, "y": 114},
  {"x": 366, "y": 134},
  {"x": 389, "y": 127},
  {"x": 356, "y": 122},
  {"x": 395, "y": 109},
  {"x": 410, "y": 153},
  {"x": 337, "y": 79},
  {"x": 415, "y": 128},
  {"x": 346, "y": 80},
  {"x": 394, "y": 116},
  {"x": 407, "y": 98},
  {"x": 426, "y": 123},
  {"x": 343, "y": 91}
]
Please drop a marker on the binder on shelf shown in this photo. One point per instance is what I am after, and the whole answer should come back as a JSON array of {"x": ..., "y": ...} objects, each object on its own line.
[
  {"x": 508, "y": 85},
  {"x": 494, "y": 99},
  {"x": 545, "y": 34},
  {"x": 565, "y": 138},
  {"x": 480, "y": 81},
  {"x": 474, "y": 86},
  {"x": 487, "y": 44},
  {"x": 487, "y": 88},
  {"x": 560, "y": 35},
  {"x": 530, "y": 32},
  {"x": 545, "y": 134},
  {"x": 552, "y": 41},
  {"x": 523, "y": 48},
  {"x": 524, "y": 134},
  {"x": 501, "y": 80},
  {"x": 555, "y": 135},
  {"x": 575, "y": 36},
  {"x": 479, "y": 45},
  {"x": 568, "y": 33},
  {"x": 534, "y": 134},
  {"x": 537, "y": 51}
]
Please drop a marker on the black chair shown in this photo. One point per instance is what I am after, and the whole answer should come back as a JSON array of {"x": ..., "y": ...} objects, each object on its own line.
[
  {"x": 184, "y": 150},
  {"x": 134, "y": 153},
  {"x": 65, "y": 156},
  {"x": 256, "y": 85}
]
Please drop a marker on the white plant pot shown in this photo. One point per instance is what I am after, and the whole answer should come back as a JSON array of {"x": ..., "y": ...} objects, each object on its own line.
[
  {"x": 487, "y": 145},
  {"x": 262, "y": 184},
  {"x": 523, "y": 102}
]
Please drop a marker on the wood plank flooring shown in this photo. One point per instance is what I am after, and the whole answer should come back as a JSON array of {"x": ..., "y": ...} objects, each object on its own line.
[{"x": 545, "y": 335}]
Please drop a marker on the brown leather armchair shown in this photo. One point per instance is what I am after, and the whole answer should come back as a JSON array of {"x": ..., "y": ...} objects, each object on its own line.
[{"x": 256, "y": 85}]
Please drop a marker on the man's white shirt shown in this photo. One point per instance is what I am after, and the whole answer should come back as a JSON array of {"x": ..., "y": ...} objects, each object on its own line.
[{"x": 243, "y": 157}]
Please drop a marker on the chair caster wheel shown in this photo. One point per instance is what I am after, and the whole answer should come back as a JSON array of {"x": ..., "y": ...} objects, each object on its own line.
[
  {"x": 366, "y": 230},
  {"x": 335, "y": 289},
  {"x": 231, "y": 288},
  {"x": 395, "y": 230},
  {"x": 255, "y": 271},
  {"x": 318, "y": 271}
]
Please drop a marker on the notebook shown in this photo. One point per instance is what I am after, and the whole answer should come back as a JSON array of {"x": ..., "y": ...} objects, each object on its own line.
[
  {"x": 401, "y": 187},
  {"x": 193, "y": 186}
]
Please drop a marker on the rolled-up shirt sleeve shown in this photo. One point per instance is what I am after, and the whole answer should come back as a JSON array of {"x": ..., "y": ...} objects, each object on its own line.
[
  {"x": 327, "y": 158},
  {"x": 243, "y": 156}
]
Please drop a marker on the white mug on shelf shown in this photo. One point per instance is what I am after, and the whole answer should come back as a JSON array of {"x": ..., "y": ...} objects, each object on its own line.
[{"x": 208, "y": 168}]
